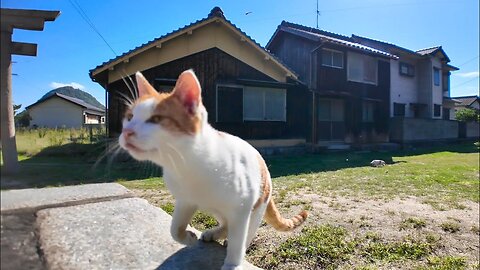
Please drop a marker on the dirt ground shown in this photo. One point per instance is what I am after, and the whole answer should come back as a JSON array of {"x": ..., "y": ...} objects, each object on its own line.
[{"x": 362, "y": 216}]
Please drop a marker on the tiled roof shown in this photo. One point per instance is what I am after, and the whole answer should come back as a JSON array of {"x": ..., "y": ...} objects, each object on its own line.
[
  {"x": 216, "y": 12},
  {"x": 71, "y": 99},
  {"x": 466, "y": 100},
  {"x": 325, "y": 36},
  {"x": 383, "y": 44},
  {"x": 429, "y": 50}
]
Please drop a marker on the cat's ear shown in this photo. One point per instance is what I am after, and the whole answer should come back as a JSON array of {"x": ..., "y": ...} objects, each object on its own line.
[
  {"x": 188, "y": 90},
  {"x": 143, "y": 86}
]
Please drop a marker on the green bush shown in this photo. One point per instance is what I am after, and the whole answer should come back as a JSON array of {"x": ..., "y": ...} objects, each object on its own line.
[{"x": 467, "y": 115}]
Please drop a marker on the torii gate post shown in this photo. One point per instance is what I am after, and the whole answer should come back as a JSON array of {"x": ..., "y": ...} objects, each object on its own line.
[{"x": 11, "y": 19}]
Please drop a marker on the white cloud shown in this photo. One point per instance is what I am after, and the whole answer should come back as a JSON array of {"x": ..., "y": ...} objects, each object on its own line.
[
  {"x": 472, "y": 74},
  {"x": 72, "y": 84}
]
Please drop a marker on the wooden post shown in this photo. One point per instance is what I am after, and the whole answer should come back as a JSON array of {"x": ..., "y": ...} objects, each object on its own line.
[{"x": 9, "y": 146}]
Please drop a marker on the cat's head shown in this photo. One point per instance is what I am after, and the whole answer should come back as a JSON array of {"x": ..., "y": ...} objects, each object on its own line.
[{"x": 154, "y": 119}]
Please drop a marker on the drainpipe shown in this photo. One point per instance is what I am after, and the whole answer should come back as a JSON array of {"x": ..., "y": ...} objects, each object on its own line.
[{"x": 313, "y": 87}]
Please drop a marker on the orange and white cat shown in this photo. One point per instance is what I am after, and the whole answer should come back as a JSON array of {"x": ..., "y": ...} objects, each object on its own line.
[{"x": 202, "y": 167}]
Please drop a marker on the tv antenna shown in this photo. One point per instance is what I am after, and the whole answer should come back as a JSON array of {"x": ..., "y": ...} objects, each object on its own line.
[{"x": 318, "y": 14}]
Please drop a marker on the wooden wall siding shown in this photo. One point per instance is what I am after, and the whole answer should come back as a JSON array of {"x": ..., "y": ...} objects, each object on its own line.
[
  {"x": 295, "y": 53},
  {"x": 212, "y": 67}
]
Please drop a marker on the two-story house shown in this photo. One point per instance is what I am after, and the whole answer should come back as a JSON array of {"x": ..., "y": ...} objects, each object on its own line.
[
  {"x": 420, "y": 81},
  {"x": 349, "y": 83}
]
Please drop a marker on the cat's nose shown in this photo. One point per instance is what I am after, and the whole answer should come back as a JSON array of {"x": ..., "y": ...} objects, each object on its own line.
[{"x": 127, "y": 132}]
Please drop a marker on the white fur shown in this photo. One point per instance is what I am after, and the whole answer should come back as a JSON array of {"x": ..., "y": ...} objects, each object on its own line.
[{"x": 218, "y": 173}]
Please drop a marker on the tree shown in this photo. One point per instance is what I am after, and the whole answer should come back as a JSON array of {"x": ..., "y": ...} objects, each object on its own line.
[
  {"x": 23, "y": 119},
  {"x": 16, "y": 108},
  {"x": 467, "y": 115}
]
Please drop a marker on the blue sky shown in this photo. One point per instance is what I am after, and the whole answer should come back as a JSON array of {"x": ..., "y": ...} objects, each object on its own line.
[{"x": 68, "y": 47}]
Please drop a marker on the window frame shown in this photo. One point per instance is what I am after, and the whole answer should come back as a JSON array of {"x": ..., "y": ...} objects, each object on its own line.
[
  {"x": 370, "y": 117},
  {"x": 216, "y": 99},
  {"x": 284, "y": 118},
  {"x": 439, "y": 106},
  {"x": 331, "y": 59},
  {"x": 436, "y": 79},
  {"x": 404, "y": 109},
  {"x": 410, "y": 69},
  {"x": 363, "y": 59}
]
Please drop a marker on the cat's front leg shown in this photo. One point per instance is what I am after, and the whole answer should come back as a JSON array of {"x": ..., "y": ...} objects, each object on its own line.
[
  {"x": 237, "y": 240},
  {"x": 182, "y": 215}
]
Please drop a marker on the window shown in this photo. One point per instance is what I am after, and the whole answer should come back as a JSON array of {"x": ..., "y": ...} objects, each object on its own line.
[
  {"x": 368, "y": 109},
  {"x": 264, "y": 104},
  {"x": 398, "y": 109},
  {"x": 446, "y": 114},
  {"x": 332, "y": 58},
  {"x": 362, "y": 68},
  {"x": 330, "y": 110},
  {"x": 229, "y": 103},
  {"x": 436, "y": 76},
  {"x": 407, "y": 69},
  {"x": 436, "y": 110}
]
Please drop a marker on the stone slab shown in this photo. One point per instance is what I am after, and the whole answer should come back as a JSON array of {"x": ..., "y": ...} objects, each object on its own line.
[
  {"x": 47, "y": 197},
  {"x": 18, "y": 243},
  {"x": 121, "y": 234}
]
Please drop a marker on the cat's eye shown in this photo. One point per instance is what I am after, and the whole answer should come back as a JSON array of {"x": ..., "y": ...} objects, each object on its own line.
[
  {"x": 155, "y": 119},
  {"x": 129, "y": 116}
]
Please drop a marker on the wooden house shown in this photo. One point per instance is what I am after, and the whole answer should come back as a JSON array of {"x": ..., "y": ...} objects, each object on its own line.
[
  {"x": 349, "y": 83},
  {"x": 245, "y": 89}
]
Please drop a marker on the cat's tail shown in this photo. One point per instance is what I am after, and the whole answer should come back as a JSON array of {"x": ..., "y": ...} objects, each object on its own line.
[{"x": 273, "y": 217}]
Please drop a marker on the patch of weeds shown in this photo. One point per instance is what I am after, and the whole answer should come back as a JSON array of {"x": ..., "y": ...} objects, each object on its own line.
[
  {"x": 450, "y": 226},
  {"x": 432, "y": 238},
  {"x": 459, "y": 206},
  {"x": 323, "y": 246},
  {"x": 282, "y": 194},
  {"x": 445, "y": 263},
  {"x": 475, "y": 229},
  {"x": 412, "y": 222},
  {"x": 391, "y": 213},
  {"x": 336, "y": 206},
  {"x": 294, "y": 203},
  {"x": 408, "y": 249},
  {"x": 203, "y": 221},
  {"x": 168, "y": 207},
  {"x": 373, "y": 236}
]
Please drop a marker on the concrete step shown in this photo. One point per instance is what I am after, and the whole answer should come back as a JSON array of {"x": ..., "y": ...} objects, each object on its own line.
[{"x": 96, "y": 233}]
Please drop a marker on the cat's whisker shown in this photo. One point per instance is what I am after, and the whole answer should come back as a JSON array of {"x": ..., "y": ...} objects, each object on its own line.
[
  {"x": 132, "y": 92},
  {"x": 135, "y": 88},
  {"x": 125, "y": 98},
  {"x": 108, "y": 150},
  {"x": 177, "y": 152},
  {"x": 173, "y": 164}
]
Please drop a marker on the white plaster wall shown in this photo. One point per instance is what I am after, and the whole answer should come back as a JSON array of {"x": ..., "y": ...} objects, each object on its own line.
[
  {"x": 437, "y": 90},
  {"x": 403, "y": 89},
  {"x": 56, "y": 112}
]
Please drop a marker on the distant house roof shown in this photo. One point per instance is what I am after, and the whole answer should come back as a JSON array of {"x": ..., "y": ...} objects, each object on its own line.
[
  {"x": 215, "y": 15},
  {"x": 324, "y": 36},
  {"x": 466, "y": 100},
  {"x": 433, "y": 51},
  {"x": 90, "y": 108}
]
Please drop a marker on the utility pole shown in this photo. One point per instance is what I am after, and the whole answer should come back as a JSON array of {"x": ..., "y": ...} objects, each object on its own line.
[{"x": 14, "y": 19}]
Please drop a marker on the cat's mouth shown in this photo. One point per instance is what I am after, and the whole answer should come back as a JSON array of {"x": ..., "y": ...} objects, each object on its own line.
[{"x": 133, "y": 148}]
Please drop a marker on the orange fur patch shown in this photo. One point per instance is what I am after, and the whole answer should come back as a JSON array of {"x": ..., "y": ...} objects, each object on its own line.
[
  {"x": 266, "y": 182},
  {"x": 174, "y": 115}
]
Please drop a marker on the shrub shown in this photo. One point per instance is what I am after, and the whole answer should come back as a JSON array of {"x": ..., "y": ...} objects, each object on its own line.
[{"x": 467, "y": 115}]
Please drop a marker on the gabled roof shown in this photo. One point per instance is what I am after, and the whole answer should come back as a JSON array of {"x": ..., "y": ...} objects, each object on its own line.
[
  {"x": 73, "y": 100},
  {"x": 432, "y": 51},
  {"x": 383, "y": 44},
  {"x": 325, "y": 37},
  {"x": 215, "y": 15},
  {"x": 467, "y": 100}
]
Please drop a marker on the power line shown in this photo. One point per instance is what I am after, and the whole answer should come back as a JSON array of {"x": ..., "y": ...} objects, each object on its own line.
[
  {"x": 85, "y": 17},
  {"x": 468, "y": 61},
  {"x": 465, "y": 82}
]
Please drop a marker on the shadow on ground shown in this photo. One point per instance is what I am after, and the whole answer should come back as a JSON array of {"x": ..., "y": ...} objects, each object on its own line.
[{"x": 73, "y": 164}]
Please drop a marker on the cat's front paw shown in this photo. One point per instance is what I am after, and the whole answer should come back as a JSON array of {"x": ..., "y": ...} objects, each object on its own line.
[
  {"x": 189, "y": 238},
  {"x": 231, "y": 267}
]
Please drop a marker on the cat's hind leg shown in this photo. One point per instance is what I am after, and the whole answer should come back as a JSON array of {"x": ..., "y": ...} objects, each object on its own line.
[
  {"x": 256, "y": 218},
  {"x": 182, "y": 214},
  {"x": 217, "y": 233}
]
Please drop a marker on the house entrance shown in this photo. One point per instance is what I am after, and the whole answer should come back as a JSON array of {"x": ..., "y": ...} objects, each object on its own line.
[{"x": 330, "y": 120}]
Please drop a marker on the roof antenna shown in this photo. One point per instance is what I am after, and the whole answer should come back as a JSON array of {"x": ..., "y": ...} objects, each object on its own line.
[{"x": 318, "y": 14}]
